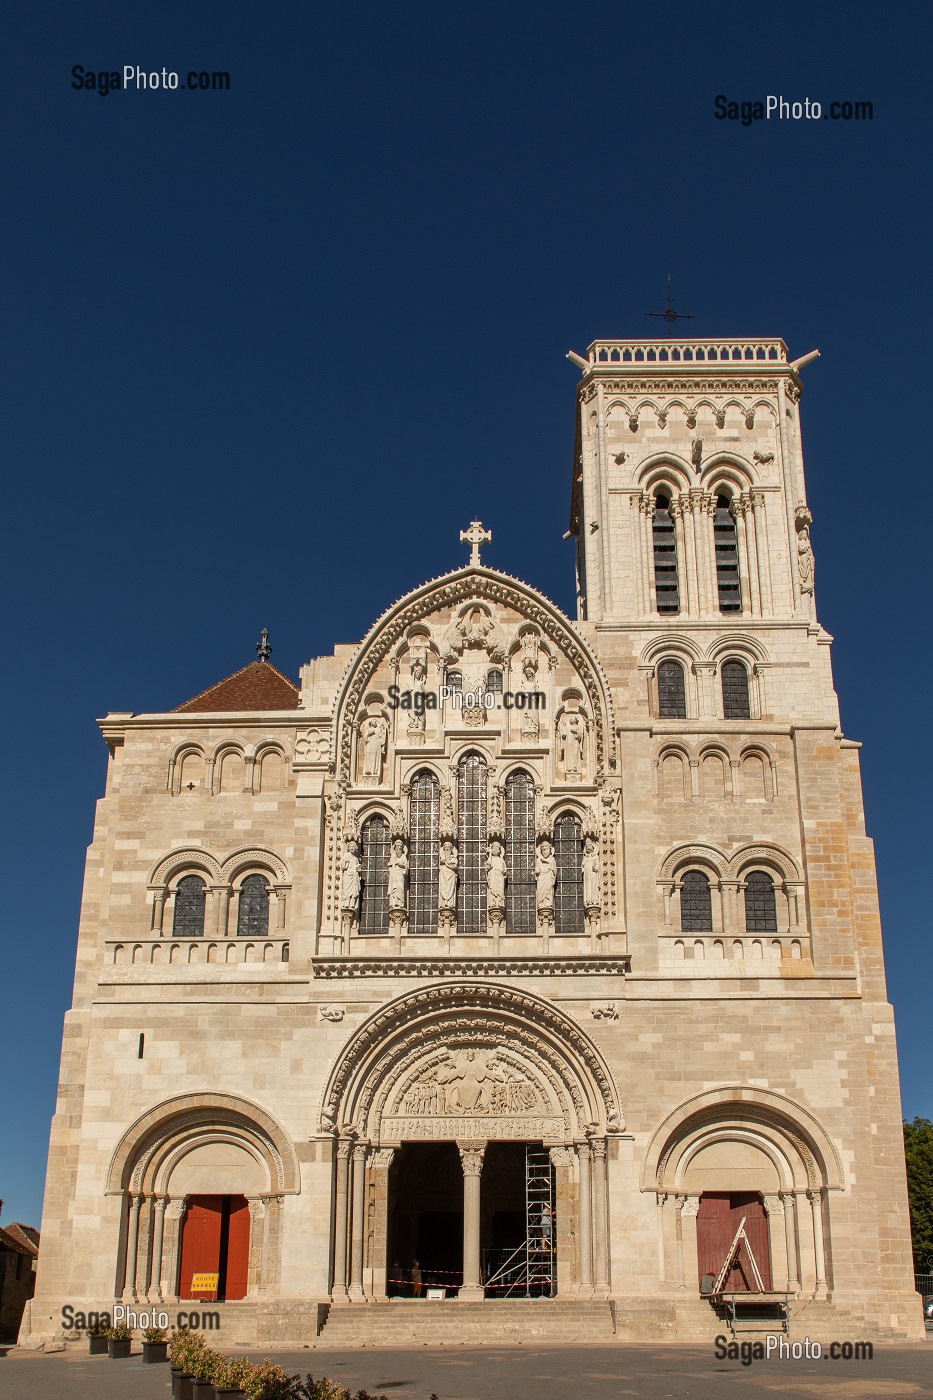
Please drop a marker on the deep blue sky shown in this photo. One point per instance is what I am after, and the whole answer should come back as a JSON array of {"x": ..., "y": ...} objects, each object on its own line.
[{"x": 266, "y": 352}]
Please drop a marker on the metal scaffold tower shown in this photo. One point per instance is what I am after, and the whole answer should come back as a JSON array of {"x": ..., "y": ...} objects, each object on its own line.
[{"x": 527, "y": 1271}]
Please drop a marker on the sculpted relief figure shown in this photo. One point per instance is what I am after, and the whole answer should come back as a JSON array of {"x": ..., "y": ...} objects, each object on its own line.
[
  {"x": 447, "y": 877},
  {"x": 375, "y": 735},
  {"x": 398, "y": 873},
  {"x": 573, "y": 741},
  {"x": 590, "y": 867},
  {"x": 350, "y": 880},
  {"x": 545, "y": 878},
  {"x": 496, "y": 876}
]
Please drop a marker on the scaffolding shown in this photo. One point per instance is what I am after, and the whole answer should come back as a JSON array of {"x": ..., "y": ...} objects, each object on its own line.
[{"x": 527, "y": 1271}]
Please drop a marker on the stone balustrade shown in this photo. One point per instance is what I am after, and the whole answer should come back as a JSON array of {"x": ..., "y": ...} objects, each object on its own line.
[
  {"x": 187, "y": 952},
  {"x": 767, "y": 950},
  {"x": 686, "y": 352}
]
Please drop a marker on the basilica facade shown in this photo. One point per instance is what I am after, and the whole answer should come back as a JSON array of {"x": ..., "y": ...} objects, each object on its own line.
[{"x": 507, "y": 958}]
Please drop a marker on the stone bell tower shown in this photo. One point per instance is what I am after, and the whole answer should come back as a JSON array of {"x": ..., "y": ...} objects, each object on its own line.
[{"x": 688, "y": 494}]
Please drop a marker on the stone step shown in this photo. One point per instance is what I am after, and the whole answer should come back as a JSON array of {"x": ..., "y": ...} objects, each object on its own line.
[{"x": 488, "y": 1323}]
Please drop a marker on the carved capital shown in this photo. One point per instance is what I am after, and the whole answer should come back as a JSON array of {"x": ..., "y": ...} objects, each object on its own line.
[{"x": 471, "y": 1157}]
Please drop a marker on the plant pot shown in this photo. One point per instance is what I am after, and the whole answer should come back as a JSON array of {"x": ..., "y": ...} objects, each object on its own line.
[
  {"x": 202, "y": 1390},
  {"x": 176, "y": 1377},
  {"x": 119, "y": 1349},
  {"x": 97, "y": 1346},
  {"x": 185, "y": 1382},
  {"x": 228, "y": 1392},
  {"x": 155, "y": 1351}
]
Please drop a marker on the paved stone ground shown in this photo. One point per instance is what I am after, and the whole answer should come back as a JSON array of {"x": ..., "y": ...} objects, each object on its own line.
[{"x": 513, "y": 1373}]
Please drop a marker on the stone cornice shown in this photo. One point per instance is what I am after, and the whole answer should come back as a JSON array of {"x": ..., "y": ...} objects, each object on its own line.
[{"x": 337, "y": 967}]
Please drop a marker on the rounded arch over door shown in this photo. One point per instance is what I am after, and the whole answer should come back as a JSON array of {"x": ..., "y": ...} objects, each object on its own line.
[{"x": 475, "y": 1058}]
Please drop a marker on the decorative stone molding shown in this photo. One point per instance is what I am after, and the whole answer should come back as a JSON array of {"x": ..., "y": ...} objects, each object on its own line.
[
  {"x": 331, "y": 1013},
  {"x": 557, "y": 966},
  {"x": 604, "y": 1011}
]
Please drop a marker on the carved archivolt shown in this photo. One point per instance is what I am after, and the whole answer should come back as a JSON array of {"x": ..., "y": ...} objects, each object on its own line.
[
  {"x": 158, "y": 1136},
  {"x": 728, "y": 867},
  {"x": 482, "y": 586},
  {"x": 513, "y": 1037},
  {"x": 187, "y": 858},
  {"x": 254, "y": 856},
  {"x": 193, "y": 858},
  {"x": 789, "y": 1133}
]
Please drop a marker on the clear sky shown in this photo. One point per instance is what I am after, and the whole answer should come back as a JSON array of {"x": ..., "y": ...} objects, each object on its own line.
[{"x": 267, "y": 351}]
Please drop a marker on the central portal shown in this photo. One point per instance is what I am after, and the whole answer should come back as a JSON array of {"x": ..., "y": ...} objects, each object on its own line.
[{"x": 425, "y": 1237}]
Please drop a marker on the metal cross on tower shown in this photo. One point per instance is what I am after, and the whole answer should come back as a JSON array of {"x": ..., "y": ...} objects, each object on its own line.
[
  {"x": 263, "y": 649},
  {"x": 669, "y": 314},
  {"x": 474, "y": 537}
]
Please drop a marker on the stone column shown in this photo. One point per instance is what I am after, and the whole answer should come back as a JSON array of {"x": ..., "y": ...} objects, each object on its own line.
[
  {"x": 662, "y": 1200},
  {"x": 257, "y": 1223},
  {"x": 220, "y": 894},
  {"x": 694, "y": 779},
  {"x": 730, "y": 906},
  {"x": 600, "y": 1214},
  {"x": 471, "y": 1159},
  {"x": 280, "y": 903},
  {"x": 564, "y": 1251},
  {"x": 158, "y": 911},
  {"x": 777, "y": 1239},
  {"x": 647, "y": 554},
  {"x": 132, "y": 1249},
  {"x": 677, "y": 514},
  {"x": 358, "y": 1220},
  {"x": 816, "y": 1205},
  {"x": 752, "y": 552},
  {"x": 761, "y": 544},
  {"x": 688, "y": 1217},
  {"x": 679, "y": 1238},
  {"x": 249, "y": 776},
  {"x": 790, "y": 1241},
  {"x": 339, "y": 1289},
  {"x": 158, "y": 1233},
  {"x": 738, "y": 515},
  {"x": 691, "y": 572},
  {"x": 270, "y": 1235},
  {"x": 171, "y": 1249},
  {"x": 585, "y": 1216},
  {"x": 701, "y": 548}
]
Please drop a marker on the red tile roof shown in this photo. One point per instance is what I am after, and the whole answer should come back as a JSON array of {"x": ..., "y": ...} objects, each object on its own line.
[
  {"x": 8, "y": 1241},
  {"x": 26, "y": 1234},
  {"x": 258, "y": 686}
]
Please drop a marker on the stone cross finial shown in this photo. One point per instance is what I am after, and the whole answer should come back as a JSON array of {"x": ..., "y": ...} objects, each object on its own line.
[
  {"x": 474, "y": 537},
  {"x": 263, "y": 649}
]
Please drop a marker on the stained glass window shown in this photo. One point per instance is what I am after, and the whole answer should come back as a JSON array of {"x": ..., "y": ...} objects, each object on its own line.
[
  {"x": 424, "y": 813},
  {"x": 374, "y": 896},
  {"x": 520, "y": 853},
  {"x": 190, "y": 900},
  {"x": 568, "y": 895},
  {"x": 760, "y": 908},
  {"x": 696, "y": 903},
  {"x": 672, "y": 695},
  {"x": 735, "y": 701},
  {"x": 471, "y": 894},
  {"x": 252, "y": 920}
]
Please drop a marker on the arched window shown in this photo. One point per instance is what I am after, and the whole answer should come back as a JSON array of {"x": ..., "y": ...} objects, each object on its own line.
[
  {"x": 424, "y": 810},
  {"x": 672, "y": 692},
  {"x": 520, "y": 853},
  {"x": 252, "y": 920},
  {"x": 735, "y": 701},
  {"x": 471, "y": 795},
  {"x": 190, "y": 899},
  {"x": 760, "y": 910},
  {"x": 568, "y": 896},
  {"x": 374, "y": 896},
  {"x": 454, "y": 680},
  {"x": 665, "y": 557},
  {"x": 494, "y": 682},
  {"x": 696, "y": 903},
  {"x": 727, "y": 557}
]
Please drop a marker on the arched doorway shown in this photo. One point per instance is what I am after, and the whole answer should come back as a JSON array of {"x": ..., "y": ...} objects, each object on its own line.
[{"x": 478, "y": 1073}]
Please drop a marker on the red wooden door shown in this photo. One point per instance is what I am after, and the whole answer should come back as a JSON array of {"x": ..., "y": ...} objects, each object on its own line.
[
  {"x": 237, "y": 1248},
  {"x": 719, "y": 1217},
  {"x": 200, "y": 1241}
]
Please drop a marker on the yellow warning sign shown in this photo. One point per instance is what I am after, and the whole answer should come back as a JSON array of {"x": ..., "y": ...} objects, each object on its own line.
[{"x": 204, "y": 1283}]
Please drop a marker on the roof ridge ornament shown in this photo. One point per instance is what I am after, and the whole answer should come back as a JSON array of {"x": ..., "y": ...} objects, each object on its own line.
[
  {"x": 263, "y": 649},
  {"x": 474, "y": 537}
]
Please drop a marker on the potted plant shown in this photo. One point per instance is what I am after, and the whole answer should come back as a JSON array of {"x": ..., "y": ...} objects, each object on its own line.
[
  {"x": 268, "y": 1382},
  {"x": 185, "y": 1347},
  {"x": 119, "y": 1340},
  {"x": 229, "y": 1375},
  {"x": 203, "y": 1365},
  {"x": 155, "y": 1344},
  {"x": 97, "y": 1339}
]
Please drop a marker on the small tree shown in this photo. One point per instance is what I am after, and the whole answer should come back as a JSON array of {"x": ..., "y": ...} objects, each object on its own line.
[{"x": 918, "y": 1148}]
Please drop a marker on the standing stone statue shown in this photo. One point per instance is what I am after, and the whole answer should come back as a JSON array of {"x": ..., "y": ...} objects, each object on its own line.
[
  {"x": 496, "y": 876},
  {"x": 590, "y": 867},
  {"x": 573, "y": 738},
  {"x": 350, "y": 882},
  {"x": 545, "y": 877},
  {"x": 447, "y": 877},
  {"x": 805, "y": 560},
  {"x": 375, "y": 734},
  {"x": 398, "y": 873}
]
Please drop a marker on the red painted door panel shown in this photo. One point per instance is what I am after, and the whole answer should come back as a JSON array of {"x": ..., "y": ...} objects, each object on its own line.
[
  {"x": 237, "y": 1248},
  {"x": 200, "y": 1241},
  {"x": 719, "y": 1217}
]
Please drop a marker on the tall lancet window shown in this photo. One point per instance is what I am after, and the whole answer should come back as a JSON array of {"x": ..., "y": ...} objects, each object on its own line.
[
  {"x": 252, "y": 919},
  {"x": 471, "y": 801},
  {"x": 424, "y": 815},
  {"x": 760, "y": 906},
  {"x": 520, "y": 853},
  {"x": 374, "y": 906},
  {"x": 727, "y": 557},
  {"x": 190, "y": 900},
  {"x": 568, "y": 896},
  {"x": 672, "y": 692},
  {"x": 665, "y": 557},
  {"x": 696, "y": 903}
]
